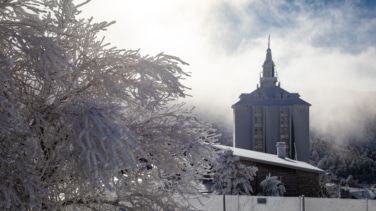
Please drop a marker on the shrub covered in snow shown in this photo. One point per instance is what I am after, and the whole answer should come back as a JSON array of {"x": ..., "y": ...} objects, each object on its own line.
[
  {"x": 231, "y": 176},
  {"x": 271, "y": 186}
]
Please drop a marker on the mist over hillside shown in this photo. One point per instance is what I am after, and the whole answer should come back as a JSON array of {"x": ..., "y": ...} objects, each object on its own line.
[
  {"x": 343, "y": 116},
  {"x": 356, "y": 157}
]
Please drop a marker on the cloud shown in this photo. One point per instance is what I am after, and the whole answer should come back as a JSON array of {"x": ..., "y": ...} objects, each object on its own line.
[
  {"x": 345, "y": 25},
  {"x": 323, "y": 50}
]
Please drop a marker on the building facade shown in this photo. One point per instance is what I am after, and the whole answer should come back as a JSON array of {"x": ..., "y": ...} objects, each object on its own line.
[
  {"x": 269, "y": 115},
  {"x": 299, "y": 178}
]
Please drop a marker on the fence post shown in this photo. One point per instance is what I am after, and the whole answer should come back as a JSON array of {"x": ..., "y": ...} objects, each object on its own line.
[
  {"x": 239, "y": 202},
  {"x": 302, "y": 203},
  {"x": 224, "y": 202}
]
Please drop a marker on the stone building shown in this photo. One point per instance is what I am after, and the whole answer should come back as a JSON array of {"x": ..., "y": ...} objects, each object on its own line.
[{"x": 269, "y": 115}]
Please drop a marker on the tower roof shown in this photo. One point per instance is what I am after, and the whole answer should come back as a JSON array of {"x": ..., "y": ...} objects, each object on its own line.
[
  {"x": 268, "y": 77},
  {"x": 269, "y": 94}
]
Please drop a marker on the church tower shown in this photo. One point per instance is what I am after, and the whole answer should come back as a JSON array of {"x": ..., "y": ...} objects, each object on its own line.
[{"x": 269, "y": 115}]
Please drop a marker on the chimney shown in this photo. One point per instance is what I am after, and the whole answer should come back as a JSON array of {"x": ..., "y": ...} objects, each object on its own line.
[{"x": 281, "y": 150}]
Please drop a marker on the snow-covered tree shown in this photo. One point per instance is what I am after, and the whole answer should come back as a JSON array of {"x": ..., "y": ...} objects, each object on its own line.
[
  {"x": 356, "y": 158},
  {"x": 272, "y": 186},
  {"x": 230, "y": 176},
  {"x": 85, "y": 125},
  {"x": 351, "y": 182}
]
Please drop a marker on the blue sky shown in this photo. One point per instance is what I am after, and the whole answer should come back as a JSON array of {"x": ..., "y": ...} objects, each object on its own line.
[
  {"x": 346, "y": 25},
  {"x": 324, "y": 50}
]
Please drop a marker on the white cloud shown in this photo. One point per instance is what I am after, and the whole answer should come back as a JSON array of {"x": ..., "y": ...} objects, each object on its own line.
[{"x": 323, "y": 51}]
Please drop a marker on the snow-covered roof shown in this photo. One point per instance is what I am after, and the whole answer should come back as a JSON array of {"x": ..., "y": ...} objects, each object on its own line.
[
  {"x": 270, "y": 96},
  {"x": 360, "y": 193},
  {"x": 271, "y": 159}
]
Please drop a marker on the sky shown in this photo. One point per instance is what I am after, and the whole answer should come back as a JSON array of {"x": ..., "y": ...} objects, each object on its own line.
[{"x": 323, "y": 50}]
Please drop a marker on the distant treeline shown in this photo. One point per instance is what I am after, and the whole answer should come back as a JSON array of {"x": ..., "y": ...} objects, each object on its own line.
[{"x": 355, "y": 157}]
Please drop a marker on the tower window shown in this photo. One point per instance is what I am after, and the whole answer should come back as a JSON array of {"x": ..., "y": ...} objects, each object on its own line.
[
  {"x": 258, "y": 135},
  {"x": 258, "y": 131},
  {"x": 259, "y": 145}
]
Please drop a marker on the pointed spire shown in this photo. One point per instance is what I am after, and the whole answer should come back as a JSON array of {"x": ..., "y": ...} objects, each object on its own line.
[{"x": 268, "y": 76}]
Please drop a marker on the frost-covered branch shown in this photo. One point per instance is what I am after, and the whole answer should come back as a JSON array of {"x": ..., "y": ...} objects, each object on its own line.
[{"x": 81, "y": 121}]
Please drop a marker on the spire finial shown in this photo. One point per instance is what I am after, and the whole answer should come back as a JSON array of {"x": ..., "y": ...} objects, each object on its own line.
[{"x": 269, "y": 42}]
